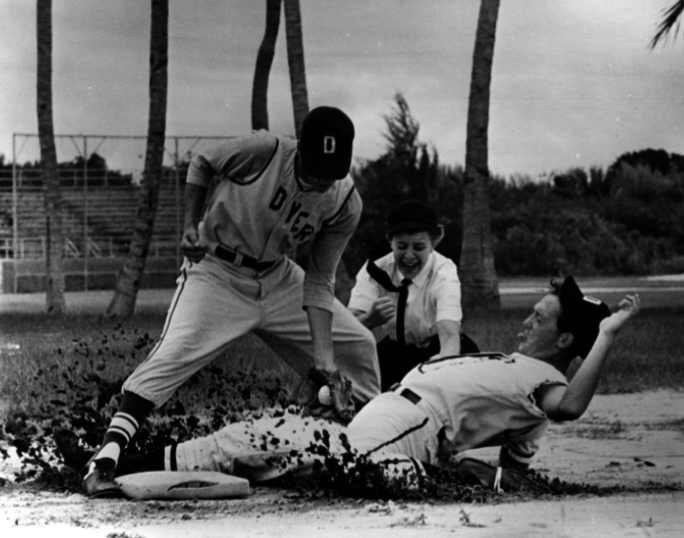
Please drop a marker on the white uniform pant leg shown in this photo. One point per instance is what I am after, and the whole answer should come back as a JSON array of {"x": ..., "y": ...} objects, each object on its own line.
[
  {"x": 211, "y": 307},
  {"x": 260, "y": 450},
  {"x": 285, "y": 329},
  {"x": 391, "y": 424}
]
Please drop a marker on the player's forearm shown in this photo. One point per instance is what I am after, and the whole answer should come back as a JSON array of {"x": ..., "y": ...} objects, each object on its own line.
[
  {"x": 320, "y": 322},
  {"x": 330, "y": 242},
  {"x": 581, "y": 389},
  {"x": 195, "y": 196}
]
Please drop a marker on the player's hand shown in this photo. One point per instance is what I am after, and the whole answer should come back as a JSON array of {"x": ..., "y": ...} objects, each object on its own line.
[
  {"x": 381, "y": 311},
  {"x": 628, "y": 308},
  {"x": 191, "y": 246},
  {"x": 338, "y": 404}
]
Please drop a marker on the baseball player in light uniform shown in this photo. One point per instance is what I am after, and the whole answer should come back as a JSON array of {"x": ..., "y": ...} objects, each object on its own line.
[
  {"x": 442, "y": 407},
  {"x": 432, "y": 315},
  {"x": 272, "y": 194},
  {"x": 452, "y": 404}
]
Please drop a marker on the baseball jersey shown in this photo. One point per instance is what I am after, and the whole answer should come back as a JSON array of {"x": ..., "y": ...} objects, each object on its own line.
[
  {"x": 434, "y": 295},
  {"x": 260, "y": 208},
  {"x": 486, "y": 400}
]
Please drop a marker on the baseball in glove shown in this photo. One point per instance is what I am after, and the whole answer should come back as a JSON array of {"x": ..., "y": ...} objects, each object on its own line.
[{"x": 326, "y": 395}]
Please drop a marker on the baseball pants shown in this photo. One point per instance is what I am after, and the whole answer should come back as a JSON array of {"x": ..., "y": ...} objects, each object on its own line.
[
  {"x": 394, "y": 424},
  {"x": 268, "y": 448},
  {"x": 216, "y": 302}
]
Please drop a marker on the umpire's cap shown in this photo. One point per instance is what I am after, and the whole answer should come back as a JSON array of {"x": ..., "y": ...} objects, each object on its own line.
[
  {"x": 326, "y": 143},
  {"x": 581, "y": 316},
  {"x": 411, "y": 216}
]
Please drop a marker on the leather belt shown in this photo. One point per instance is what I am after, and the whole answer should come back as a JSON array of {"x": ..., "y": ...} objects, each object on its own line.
[
  {"x": 408, "y": 394},
  {"x": 242, "y": 260}
]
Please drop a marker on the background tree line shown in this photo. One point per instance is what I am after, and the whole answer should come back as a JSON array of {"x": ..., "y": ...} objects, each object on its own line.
[
  {"x": 626, "y": 220},
  {"x": 476, "y": 244}
]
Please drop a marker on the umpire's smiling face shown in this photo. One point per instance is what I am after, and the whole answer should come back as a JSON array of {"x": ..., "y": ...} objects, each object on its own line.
[
  {"x": 411, "y": 252},
  {"x": 541, "y": 338}
]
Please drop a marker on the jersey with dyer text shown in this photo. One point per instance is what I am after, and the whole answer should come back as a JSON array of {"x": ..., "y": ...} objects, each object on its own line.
[{"x": 260, "y": 208}]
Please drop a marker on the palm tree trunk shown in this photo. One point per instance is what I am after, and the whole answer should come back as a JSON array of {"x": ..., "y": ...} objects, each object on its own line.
[
  {"x": 128, "y": 284},
  {"x": 295, "y": 60},
  {"x": 54, "y": 273},
  {"x": 262, "y": 70},
  {"x": 300, "y": 105},
  {"x": 478, "y": 275}
]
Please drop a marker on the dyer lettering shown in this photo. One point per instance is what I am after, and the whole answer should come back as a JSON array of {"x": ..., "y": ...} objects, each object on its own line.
[{"x": 296, "y": 219}]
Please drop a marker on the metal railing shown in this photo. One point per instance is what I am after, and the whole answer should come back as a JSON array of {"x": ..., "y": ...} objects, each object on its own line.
[{"x": 93, "y": 191}]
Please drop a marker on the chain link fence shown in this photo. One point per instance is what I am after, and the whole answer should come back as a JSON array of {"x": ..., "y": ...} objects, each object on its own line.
[{"x": 100, "y": 178}]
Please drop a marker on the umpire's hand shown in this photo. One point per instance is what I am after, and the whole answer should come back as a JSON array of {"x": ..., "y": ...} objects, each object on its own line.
[
  {"x": 191, "y": 247},
  {"x": 381, "y": 311}
]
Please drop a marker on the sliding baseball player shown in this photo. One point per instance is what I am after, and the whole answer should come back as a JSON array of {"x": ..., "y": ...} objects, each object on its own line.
[{"x": 441, "y": 408}]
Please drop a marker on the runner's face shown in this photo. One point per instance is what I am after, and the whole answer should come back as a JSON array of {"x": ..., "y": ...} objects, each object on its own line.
[
  {"x": 540, "y": 334},
  {"x": 411, "y": 252}
]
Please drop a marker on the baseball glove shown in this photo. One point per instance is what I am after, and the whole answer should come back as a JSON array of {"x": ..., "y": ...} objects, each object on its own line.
[
  {"x": 73, "y": 455},
  {"x": 476, "y": 472},
  {"x": 340, "y": 406}
]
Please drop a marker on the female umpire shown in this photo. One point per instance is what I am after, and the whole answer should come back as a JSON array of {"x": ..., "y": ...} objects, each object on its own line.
[{"x": 410, "y": 297}]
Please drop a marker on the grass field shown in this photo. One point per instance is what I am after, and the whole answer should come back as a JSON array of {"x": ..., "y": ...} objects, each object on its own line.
[
  {"x": 68, "y": 372},
  {"x": 647, "y": 355}
]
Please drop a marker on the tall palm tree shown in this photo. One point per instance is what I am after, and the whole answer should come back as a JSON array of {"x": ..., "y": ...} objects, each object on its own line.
[
  {"x": 123, "y": 302},
  {"x": 264, "y": 61},
  {"x": 300, "y": 95},
  {"x": 478, "y": 275},
  {"x": 54, "y": 273},
  {"x": 669, "y": 23},
  {"x": 300, "y": 105},
  {"x": 295, "y": 61}
]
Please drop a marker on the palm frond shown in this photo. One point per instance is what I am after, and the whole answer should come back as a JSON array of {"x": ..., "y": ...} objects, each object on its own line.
[{"x": 670, "y": 21}]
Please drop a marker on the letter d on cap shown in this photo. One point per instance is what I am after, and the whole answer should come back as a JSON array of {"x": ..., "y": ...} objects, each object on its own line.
[{"x": 328, "y": 144}]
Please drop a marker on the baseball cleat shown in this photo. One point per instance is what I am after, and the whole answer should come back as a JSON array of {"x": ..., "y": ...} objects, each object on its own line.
[
  {"x": 476, "y": 472},
  {"x": 99, "y": 482}
]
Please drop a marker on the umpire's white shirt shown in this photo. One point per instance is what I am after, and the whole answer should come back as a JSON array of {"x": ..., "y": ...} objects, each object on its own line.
[{"x": 434, "y": 295}]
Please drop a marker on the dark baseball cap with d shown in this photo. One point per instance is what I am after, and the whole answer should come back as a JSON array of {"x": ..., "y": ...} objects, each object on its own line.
[
  {"x": 411, "y": 216},
  {"x": 583, "y": 315},
  {"x": 326, "y": 143}
]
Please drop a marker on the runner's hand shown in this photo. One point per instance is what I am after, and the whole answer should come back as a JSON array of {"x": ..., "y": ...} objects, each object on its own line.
[{"x": 628, "y": 308}]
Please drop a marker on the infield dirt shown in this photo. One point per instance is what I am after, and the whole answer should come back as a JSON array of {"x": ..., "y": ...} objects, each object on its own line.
[{"x": 634, "y": 441}]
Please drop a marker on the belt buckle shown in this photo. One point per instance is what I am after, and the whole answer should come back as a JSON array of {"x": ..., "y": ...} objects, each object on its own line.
[{"x": 239, "y": 258}]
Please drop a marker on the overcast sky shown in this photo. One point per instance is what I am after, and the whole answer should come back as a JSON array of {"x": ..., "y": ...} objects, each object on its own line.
[{"x": 574, "y": 81}]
